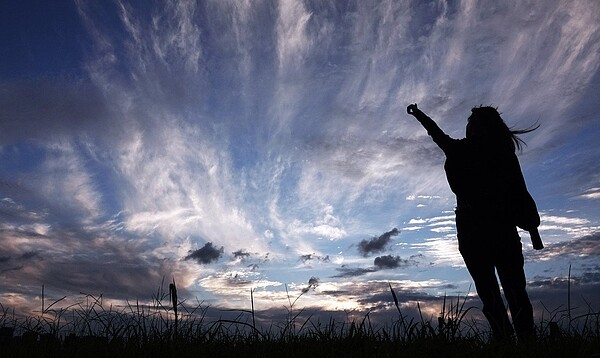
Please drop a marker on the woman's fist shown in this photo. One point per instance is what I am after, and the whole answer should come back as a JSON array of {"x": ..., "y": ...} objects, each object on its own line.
[{"x": 412, "y": 109}]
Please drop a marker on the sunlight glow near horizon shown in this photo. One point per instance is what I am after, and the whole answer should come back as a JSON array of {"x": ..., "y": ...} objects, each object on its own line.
[{"x": 239, "y": 145}]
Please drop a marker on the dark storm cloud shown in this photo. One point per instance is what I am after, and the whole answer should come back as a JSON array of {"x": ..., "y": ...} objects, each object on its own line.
[
  {"x": 391, "y": 262},
  {"x": 313, "y": 282},
  {"x": 17, "y": 262},
  {"x": 312, "y": 257},
  {"x": 251, "y": 260},
  {"x": 240, "y": 254},
  {"x": 206, "y": 254},
  {"x": 376, "y": 244},
  {"x": 387, "y": 262},
  {"x": 67, "y": 260},
  {"x": 380, "y": 263},
  {"x": 346, "y": 272}
]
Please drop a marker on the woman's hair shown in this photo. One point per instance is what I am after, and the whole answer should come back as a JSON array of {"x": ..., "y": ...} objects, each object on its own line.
[{"x": 486, "y": 122}]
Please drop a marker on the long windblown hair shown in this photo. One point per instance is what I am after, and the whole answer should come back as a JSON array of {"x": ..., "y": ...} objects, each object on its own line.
[{"x": 486, "y": 123}]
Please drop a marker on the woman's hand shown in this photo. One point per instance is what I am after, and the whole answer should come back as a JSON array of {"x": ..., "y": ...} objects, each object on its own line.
[{"x": 412, "y": 109}]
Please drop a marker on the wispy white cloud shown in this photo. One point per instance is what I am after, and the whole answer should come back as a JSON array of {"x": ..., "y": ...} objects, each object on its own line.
[
  {"x": 293, "y": 42},
  {"x": 442, "y": 250},
  {"x": 68, "y": 184},
  {"x": 593, "y": 194},
  {"x": 555, "y": 228},
  {"x": 232, "y": 288},
  {"x": 186, "y": 188},
  {"x": 175, "y": 35},
  {"x": 562, "y": 220}
]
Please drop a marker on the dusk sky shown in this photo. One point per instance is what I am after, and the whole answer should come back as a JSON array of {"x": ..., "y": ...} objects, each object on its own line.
[{"x": 237, "y": 145}]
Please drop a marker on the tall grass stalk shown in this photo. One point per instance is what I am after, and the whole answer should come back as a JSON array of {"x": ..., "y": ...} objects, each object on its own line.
[
  {"x": 173, "y": 294},
  {"x": 569, "y": 298}
]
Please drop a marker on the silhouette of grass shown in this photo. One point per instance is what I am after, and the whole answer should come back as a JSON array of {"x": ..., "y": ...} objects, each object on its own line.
[{"x": 168, "y": 326}]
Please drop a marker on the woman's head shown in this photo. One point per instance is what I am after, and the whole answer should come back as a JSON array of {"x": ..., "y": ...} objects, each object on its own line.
[{"x": 486, "y": 124}]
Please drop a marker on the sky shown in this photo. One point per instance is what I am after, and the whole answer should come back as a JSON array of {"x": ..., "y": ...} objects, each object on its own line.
[{"x": 237, "y": 145}]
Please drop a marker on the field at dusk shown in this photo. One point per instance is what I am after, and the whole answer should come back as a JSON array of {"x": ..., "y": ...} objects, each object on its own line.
[{"x": 259, "y": 153}]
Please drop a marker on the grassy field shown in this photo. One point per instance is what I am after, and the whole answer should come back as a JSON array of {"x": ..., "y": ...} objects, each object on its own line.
[{"x": 169, "y": 327}]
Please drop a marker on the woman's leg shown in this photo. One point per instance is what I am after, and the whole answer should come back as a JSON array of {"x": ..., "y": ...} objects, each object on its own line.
[
  {"x": 509, "y": 265},
  {"x": 475, "y": 245},
  {"x": 484, "y": 275}
]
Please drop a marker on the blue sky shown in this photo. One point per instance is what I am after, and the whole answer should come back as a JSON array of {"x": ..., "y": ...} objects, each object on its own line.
[{"x": 239, "y": 145}]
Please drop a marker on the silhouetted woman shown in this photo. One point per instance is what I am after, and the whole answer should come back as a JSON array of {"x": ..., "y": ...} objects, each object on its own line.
[{"x": 492, "y": 200}]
